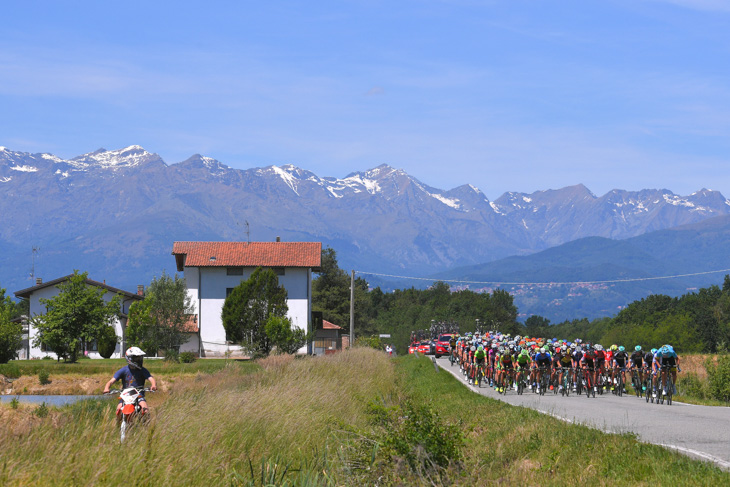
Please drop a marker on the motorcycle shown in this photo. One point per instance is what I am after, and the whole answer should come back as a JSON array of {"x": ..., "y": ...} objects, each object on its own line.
[{"x": 131, "y": 397}]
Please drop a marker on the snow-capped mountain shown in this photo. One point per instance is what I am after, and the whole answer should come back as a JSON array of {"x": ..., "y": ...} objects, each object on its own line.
[{"x": 116, "y": 214}]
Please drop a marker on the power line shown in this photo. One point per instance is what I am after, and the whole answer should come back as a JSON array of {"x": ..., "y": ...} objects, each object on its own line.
[{"x": 608, "y": 281}]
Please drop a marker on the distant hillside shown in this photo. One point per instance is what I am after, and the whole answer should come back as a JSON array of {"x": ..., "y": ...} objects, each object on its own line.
[{"x": 687, "y": 249}]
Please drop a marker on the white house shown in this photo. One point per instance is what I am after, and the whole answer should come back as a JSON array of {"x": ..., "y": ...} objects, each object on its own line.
[
  {"x": 213, "y": 269},
  {"x": 50, "y": 289}
]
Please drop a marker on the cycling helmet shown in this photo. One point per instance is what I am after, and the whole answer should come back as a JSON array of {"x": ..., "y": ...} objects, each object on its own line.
[
  {"x": 653, "y": 350},
  {"x": 134, "y": 356},
  {"x": 598, "y": 347},
  {"x": 564, "y": 348},
  {"x": 614, "y": 347},
  {"x": 542, "y": 349},
  {"x": 524, "y": 352},
  {"x": 621, "y": 348},
  {"x": 637, "y": 348},
  {"x": 573, "y": 346},
  {"x": 481, "y": 348}
]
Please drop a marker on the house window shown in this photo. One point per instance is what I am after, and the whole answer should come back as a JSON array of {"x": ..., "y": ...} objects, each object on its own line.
[
  {"x": 234, "y": 271},
  {"x": 279, "y": 271},
  {"x": 326, "y": 343},
  {"x": 229, "y": 290},
  {"x": 92, "y": 347}
]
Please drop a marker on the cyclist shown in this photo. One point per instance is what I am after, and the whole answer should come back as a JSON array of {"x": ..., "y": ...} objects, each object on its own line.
[
  {"x": 576, "y": 356},
  {"x": 635, "y": 362},
  {"x": 506, "y": 365},
  {"x": 523, "y": 362},
  {"x": 452, "y": 347},
  {"x": 480, "y": 357},
  {"x": 666, "y": 356},
  {"x": 600, "y": 362},
  {"x": 133, "y": 375},
  {"x": 589, "y": 365},
  {"x": 542, "y": 362},
  {"x": 564, "y": 362},
  {"x": 620, "y": 358}
]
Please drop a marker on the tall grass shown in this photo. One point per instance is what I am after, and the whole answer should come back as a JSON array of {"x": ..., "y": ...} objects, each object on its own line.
[
  {"x": 233, "y": 427},
  {"x": 311, "y": 422}
]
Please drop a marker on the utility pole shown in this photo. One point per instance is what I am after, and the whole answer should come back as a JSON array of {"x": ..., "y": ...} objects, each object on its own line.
[{"x": 352, "y": 310}]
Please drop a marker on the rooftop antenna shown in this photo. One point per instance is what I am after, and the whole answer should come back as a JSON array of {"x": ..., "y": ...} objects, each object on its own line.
[
  {"x": 32, "y": 267},
  {"x": 248, "y": 233}
]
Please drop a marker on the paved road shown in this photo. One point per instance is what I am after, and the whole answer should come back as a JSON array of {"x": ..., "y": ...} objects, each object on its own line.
[{"x": 699, "y": 431}]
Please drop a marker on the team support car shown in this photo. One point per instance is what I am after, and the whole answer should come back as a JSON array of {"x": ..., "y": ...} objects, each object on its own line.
[
  {"x": 442, "y": 344},
  {"x": 425, "y": 347},
  {"x": 413, "y": 348}
]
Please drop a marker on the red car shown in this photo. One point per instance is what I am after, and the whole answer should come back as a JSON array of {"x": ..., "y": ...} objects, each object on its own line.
[
  {"x": 424, "y": 347},
  {"x": 443, "y": 342},
  {"x": 413, "y": 348}
]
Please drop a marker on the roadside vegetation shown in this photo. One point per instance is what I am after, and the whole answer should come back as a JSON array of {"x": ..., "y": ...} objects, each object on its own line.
[{"x": 354, "y": 418}]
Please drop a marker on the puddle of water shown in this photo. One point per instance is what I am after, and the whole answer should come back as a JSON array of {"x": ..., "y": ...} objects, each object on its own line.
[{"x": 59, "y": 400}]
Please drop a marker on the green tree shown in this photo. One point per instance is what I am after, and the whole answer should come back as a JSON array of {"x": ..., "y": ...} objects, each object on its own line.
[
  {"x": 283, "y": 336},
  {"x": 331, "y": 290},
  {"x": 11, "y": 334},
  {"x": 537, "y": 326},
  {"x": 503, "y": 312},
  {"x": 160, "y": 320},
  {"x": 249, "y": 306},
  {"x": 78, "y": 314}
]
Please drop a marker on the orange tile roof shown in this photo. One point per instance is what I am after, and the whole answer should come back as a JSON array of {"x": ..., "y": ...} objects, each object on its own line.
[
  {"x": 245, "y": 254},
  {"x": 326, "y": 325}
]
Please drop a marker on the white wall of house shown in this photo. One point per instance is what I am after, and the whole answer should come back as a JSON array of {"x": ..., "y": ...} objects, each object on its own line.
[
  {"x": 207, "y": 287},
  {"x": 37, "y": 309}
]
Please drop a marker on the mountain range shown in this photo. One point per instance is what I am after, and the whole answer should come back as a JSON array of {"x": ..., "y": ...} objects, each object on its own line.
[{"x": 116, "y": 214}]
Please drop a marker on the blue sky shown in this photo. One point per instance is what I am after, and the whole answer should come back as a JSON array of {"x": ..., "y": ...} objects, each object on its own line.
[{"x": 507, "y": 96}]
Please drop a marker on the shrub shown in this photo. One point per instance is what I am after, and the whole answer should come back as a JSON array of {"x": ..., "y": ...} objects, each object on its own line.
[
  {"x": 187, "y": 357},
  {"x": 47, "y": 357},
  {"x": 416, "y": 433},
  {"x": 43, "y": 377},
  {"x": 719, "y": 378},
  {"x": 42, "y": 410},
  {"x": 14, "y": 402},
  {"x": 372, "y": 342},
  {"x": 172, "y": 356},
  {"x": 690, "y": 385}
]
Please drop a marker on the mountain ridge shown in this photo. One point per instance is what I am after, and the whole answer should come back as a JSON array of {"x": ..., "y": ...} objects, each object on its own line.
[{"x": 117, "y": 213}]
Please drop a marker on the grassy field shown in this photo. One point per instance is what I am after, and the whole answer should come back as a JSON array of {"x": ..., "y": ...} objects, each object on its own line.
[{"x": 355, "y": 418}]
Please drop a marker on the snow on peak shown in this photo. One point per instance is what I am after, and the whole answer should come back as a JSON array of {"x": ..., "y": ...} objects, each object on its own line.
[
  {"x": 285, "y": 173},
  {"x": 130, "y": 156},
  {"x": 24, "y": 168},
  {"x": 452, "y": 202}
]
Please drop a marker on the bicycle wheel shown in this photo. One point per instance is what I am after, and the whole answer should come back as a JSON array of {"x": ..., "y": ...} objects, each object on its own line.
[
  {"x": 620, "y": 385},
  {"x": 670, "y": 390}
]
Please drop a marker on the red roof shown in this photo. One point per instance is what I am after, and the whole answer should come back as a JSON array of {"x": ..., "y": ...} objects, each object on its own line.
[
  {"x": 245, "y": 254},
  {"x": 191, "y": 325},
  {"x": 326, "y": 325}
]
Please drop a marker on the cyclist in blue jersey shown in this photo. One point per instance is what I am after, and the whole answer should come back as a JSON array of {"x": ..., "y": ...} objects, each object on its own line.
[{"x": 666, "y": 356}]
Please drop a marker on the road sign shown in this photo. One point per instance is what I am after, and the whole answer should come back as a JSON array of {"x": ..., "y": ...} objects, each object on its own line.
[{"x": 386, "y": 335}]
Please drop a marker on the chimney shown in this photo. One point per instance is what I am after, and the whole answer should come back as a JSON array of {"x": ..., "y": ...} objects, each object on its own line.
[
  {"x": 38, "y": 281},
  {"x": 278, "y": 239},
  {"x": 140, "y": 289}
]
